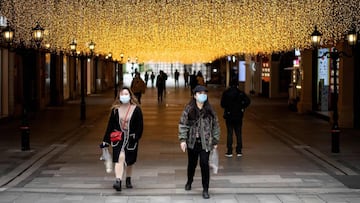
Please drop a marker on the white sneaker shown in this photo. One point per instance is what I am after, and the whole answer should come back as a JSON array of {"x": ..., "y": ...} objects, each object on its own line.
[
  {"x": 228, "y": 155},
  {"x": 239, "y": 155}
]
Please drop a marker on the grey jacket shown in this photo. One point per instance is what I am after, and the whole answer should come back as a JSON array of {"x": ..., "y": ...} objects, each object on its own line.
[{"x": 203, "y": 123}]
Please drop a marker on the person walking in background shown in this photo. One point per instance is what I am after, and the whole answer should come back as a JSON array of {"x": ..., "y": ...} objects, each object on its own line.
[
  {"x": 123, "y": 132},
  {"x": 199, "y": 133},
  {"x": 146, "y": 78},
  {"x": 186, "y": 78},
  {"x": 234, "y": 101},
  {"x": 138, "y": 86},
  {"x": 176, "y": 76},
  {"x": 200, "y": 79},
  {"x": 152, "y": 77},
  {"x": 193, "y": 83},
  {"x": 165, "y": 77},
  {"x": 160, "y": 85}
]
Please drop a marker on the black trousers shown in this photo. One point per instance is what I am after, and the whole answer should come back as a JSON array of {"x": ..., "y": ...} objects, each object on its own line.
[
  {"x": 138, "y": 96},
  {"x": 193, "y": 155},
  {"x": 234, "y": 126},
  {"x": 160, "y": 93}
]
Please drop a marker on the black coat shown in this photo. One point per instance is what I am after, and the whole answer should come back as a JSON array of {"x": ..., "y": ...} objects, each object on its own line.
[
  {"x": 135, "y": 133},
  {"x": 234, "y": 102}
]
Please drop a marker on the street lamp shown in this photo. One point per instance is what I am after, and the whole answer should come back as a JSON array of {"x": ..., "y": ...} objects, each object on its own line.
[
  {"x": 121, "y": 78},
  {"x": 334, "y": 56},
  {"x": 8, "y": 34},
  {"x": 316, "y": 37},
  {"x": 73, "y": 45},
  {"x": 92, "y": 47},
  {"x": 352, "y": 37},
  {"x": 38, "y": 34}
]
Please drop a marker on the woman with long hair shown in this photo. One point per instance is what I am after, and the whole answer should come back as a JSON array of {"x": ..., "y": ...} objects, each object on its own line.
[
  {"x": 199, "y": 133},
  {"x": 123, "y": 133}
]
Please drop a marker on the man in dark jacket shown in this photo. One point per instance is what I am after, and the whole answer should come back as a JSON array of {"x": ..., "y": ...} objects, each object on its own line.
[{"x": 234, "y": 102}]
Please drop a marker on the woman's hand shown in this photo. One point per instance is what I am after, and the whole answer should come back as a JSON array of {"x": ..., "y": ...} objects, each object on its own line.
[
  {"x": 183, "y": 146},
  {"x": 215, "y": 146}
]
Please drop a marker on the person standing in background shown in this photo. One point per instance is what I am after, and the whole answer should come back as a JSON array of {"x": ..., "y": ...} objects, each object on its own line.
[
  {"x": 146, "y": 78},
  {"x": 160, "y": 85},
  {"x": 234, "y": 101},
  {"x": 152, "y": 77},
  {"x": 193, "y": 83},
  {"x": 176, "y": 76},
  {"x": 186, "y": 78}
]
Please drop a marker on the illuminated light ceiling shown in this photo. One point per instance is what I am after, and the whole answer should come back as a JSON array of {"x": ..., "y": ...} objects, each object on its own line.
[{"x": 181, "y": 30}]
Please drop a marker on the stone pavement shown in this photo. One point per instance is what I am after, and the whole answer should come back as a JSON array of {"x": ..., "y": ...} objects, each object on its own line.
[{"x": 286, "y": 156}]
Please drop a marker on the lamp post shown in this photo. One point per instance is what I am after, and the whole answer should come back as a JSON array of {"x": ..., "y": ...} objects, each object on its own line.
[
  {"x": 92, "y": 47},
  {"x": 352, "y": 39},
  {"x": 82, "y": 87},
  {"x": 109, "y": 57},
  {"x": 73, "y": 45},
  {"x": 334, "y": 56},
  {"x": 38, "y": 34},
  {"x": 121, "y": 68},
  {"x": 8, "y": 34}
]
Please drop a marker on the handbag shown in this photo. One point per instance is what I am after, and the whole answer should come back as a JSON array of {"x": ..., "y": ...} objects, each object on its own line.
[{"x": 116, "y": 136}]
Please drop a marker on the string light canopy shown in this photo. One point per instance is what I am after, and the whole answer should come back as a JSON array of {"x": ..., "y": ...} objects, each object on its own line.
[{"x": 183, "y": 30}]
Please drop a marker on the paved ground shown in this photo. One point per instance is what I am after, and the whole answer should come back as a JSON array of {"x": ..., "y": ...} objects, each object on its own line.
[{"x": 286, "y": 157}]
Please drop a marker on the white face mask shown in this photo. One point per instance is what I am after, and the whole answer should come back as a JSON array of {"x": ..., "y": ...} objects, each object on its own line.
[{"x": 124, "y": 99}]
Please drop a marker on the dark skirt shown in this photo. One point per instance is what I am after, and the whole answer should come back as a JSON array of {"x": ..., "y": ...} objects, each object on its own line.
[{"x": 131, "y": 150}]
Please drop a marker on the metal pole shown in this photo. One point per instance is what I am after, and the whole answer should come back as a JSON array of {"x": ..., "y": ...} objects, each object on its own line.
[
  {"x": 335, "y": 131},
  {"x": 25, "y": 127},
  {"x": 115, "y": 80},
  {"x": 82, "y": 88},
  {"x": 25, "y": 131}
]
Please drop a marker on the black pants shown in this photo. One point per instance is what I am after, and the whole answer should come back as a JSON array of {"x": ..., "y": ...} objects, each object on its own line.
[
  {"x": 160, "y": 93},
  {"x": 193, "y": 155},
  {"x": 234, "y": 126},
  {"x": 138, "y": 96}
]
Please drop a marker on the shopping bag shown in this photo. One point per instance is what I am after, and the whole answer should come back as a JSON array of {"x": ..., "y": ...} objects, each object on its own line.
[
  {"x": 214, "y": 160},
  {"x": 106, "y": 157}
]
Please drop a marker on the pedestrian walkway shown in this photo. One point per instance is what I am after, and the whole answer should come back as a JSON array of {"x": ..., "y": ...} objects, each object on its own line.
[{"x": 286, "y": 156}]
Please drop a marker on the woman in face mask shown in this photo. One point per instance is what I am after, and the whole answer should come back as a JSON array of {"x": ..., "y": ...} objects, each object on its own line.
[
  {"x": 199, "y": 133},
  {"x": 123, "y": 132}
]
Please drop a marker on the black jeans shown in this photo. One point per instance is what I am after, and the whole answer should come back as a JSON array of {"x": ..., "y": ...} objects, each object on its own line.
[
  {"x": 160, "y": 93},
  {"x": 193, "y": 155},
  {"x": 234, "y": 126},
  {"x": 138, "y": 96}
]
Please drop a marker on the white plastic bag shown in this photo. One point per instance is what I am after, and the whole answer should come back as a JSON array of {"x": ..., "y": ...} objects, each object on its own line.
[
  {"x": 214, "y": 160},
  {"x": 106, "y": 157}
]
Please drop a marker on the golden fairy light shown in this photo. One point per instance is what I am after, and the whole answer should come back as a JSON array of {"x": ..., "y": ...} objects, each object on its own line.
[{"x": 182, "y": 30}]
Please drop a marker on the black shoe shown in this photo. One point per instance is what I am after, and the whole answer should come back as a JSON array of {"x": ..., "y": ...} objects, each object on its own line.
[
  {"x": 117, "y": 185},
  {"x": 205, "y": 194},
  {"x": 188, "y": 186},
  {"x": 128, "y": 182}
]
